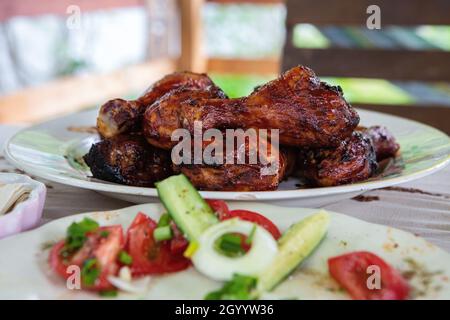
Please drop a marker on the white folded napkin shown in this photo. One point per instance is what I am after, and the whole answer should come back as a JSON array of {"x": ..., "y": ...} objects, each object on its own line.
[{"x": 11, "y": 195}]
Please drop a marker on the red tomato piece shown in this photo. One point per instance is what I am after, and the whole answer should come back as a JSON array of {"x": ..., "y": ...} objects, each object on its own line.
[
  {"x": 351, "y": 272},
  {"x": 104, "y": 245},
  {"x": 246, "y": 247},
  {"x": 56, "y": 261},
  {"x": 256, "y": 218},
  {"x": 149, "y": 256},
  {"x": 220, "y": 208},
  {"x": 178, "y": 245}
]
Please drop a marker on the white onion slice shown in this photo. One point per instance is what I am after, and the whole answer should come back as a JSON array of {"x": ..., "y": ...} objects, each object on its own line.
[
  {"x": 124, "y": 284},
  {"x": 217, "y": 266}
]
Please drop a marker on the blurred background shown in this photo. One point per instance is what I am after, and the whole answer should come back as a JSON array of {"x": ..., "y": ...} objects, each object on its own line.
[{"x": 62, "y": 56}]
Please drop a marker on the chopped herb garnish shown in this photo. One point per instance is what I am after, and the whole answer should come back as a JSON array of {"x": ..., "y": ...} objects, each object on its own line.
[
  {"x": 47, "y": 245},
  {"x": 104, "y": 234},
  {"x": 125, "y": 258},
  {"x": 230, "y": 245},
  {"x": 251, "y": 235},
  {"x": 162, "y": 233},
  {"x": 108, "y": 293},
  {"x": 164, "y": 220},
  {"x": 238, "y": 288},
  {"x": 76, "y": 233},
  {"x": 90, "y": 272}
]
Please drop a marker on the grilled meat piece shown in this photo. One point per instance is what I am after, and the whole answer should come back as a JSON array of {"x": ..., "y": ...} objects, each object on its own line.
[
  {"x": 251, "y": 176},
  {"x": 120, "y": 116},
  {"x": 383, "y": 141},
  {"x": 308, "y": 113},
  {"x": 354, "y": 160},
  {"x": 128, "y": 160},
  {"x": 163, "y": 117}
]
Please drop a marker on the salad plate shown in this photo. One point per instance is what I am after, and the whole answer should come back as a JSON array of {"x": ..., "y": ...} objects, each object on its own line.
[
  {"x": 26, "y": 274},
  {"x": 53, "y": 150}
]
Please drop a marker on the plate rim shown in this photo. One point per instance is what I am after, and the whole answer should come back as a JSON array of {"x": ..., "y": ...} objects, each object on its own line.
[{"x": 230, "y": 195}]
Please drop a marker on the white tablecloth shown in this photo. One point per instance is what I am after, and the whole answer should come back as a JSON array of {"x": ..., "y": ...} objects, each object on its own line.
[{"x": 421, "y": 207}]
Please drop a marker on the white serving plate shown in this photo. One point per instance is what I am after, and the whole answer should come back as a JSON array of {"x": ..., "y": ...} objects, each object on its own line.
[
  {"x": 49, "y": 150},
  {"x": 25, "y": 273}
]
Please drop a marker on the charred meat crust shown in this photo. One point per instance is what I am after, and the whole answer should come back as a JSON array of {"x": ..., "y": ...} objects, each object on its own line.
[
  {"x": 128, "y": 160},
  {"x": 239, "y": 177},
  {"x": 354, "y": 160},
  {"x": 383, "y": 141},
  {"x": 162, "y": 118}
]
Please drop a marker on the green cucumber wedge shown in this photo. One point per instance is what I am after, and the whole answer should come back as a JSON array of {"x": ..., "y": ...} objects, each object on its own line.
[
  {"x": 186, "y": 206},
  {"x": 295, "y": 245}
]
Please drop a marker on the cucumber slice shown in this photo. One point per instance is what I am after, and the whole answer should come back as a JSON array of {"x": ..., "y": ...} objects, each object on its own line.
[
  {"x": 186, "y": 206},
  {"x": 294, "y": 246}
]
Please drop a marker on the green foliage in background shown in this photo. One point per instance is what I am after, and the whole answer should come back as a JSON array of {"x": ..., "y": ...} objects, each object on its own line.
[
  {"x": 308, "y": 36},
  {"x": 437, "y": 35},
  {"x": 371, "y": 91},
  {"x": 239, "y": 85}
]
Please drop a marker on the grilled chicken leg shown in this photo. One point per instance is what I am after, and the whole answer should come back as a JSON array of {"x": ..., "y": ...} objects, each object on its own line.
[
  {"x": 307, "y": 112},
  {"x": 120, "y": 116}
]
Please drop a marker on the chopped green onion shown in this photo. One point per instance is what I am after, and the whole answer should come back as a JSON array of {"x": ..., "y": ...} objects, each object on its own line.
[
  {"x": 230, "y": 245},
  {"x": 251, "y": 235},
  {"x": 125, "y": 258},
  {"x": 90, "y": 272},
  {"x": 238, "y": 288},
  {"x": 108, "y": 293},
  {"x": 104, "y": 234},
  {"x": 162, "y": 233},
  {"x": 164, "y": 220},
  {"x": 76, "y": 233}
]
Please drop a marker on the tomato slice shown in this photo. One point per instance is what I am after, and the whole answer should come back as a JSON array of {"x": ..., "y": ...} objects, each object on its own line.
[
  {"x": 178, "y": 244},
  {"x": 56, "y": 261},
  {"x": 149, "y": 256},
  {"x": 219, "y": 207},
  {"x": 104, "y": 245},
  {"x": 256, "y": 218},
  {"x": 351, "y": 272}
]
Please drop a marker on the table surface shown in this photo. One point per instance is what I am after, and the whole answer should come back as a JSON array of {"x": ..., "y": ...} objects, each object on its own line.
[{"x": 421, "y": 207}]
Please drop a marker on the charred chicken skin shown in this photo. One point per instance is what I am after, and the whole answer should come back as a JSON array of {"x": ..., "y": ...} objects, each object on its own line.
[
  {"x": 163, "y": 117},
  {"x": 352, "y": 161},
  {"x": 383, "y": 141},
  {"x": 128, "y": 160},
  {"x": 307, "y": 112},
  {"x": 120, "y": 116},
  {"x": 259, "y": 176}
]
